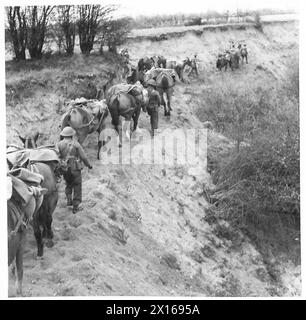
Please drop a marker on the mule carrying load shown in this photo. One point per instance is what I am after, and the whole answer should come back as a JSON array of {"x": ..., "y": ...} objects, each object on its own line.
[
  {"x": 132, "y": 89},
  {"x": 157, "y": 74},
  {"x": 24, "y": 198},
  {"x": 22, "y": 158},
  {"x": 45, "y": 162},
  {"x": 24, "y": 186},
  {"x": 126, "y": 100},
  {"x": 24, "y": 173},
  {"x": 85, "y": 116},
  {"x": 165, "y": 81}
]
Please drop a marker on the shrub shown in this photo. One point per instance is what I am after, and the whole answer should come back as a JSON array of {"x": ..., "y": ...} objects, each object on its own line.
[
  {"x": 258, "y": 189},
  {"x": 257, "y": 182},
  {"x": 115, "y": 33}
]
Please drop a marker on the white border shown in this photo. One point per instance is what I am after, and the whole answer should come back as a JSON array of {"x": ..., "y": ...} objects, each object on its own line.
[{"x": 3, "y": 229}]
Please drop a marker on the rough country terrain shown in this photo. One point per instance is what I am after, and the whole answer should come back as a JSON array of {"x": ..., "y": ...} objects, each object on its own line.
[{"x": 144, "y": 230}]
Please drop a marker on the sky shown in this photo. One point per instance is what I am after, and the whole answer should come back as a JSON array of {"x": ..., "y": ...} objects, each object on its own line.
[
  {"x": 137, "y": 7},
  {"x": 147, "y": 7}
]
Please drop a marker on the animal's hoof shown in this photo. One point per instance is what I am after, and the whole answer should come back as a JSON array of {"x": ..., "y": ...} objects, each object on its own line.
[
  {"x": 49, "y": 243},
  {"x": 39, "y": 258},
  {"x": 19, "y": 293}
]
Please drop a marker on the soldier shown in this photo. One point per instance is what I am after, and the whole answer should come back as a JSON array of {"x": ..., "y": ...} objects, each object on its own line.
[
  {"x": 153, "y": 105},
  {"x": 194, "y": 65},
  {"x": 227, "y": 55},
  {"x": 73, "y": 155}
]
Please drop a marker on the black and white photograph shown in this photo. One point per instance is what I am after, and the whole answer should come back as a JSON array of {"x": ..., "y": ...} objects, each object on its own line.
[{"x": 152, "y": 149}]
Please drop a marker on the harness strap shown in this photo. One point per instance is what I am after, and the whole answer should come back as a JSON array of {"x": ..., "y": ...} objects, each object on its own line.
[
  {"x": 167, "y": 88},
  {"x": 20, "y": 215},
  {"x": 70, "y": 146},
  {"x": 85, "y": 124},
  {"x": 101, "y": 119}
]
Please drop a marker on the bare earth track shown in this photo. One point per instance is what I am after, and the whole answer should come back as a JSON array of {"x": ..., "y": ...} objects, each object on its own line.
[{"x": 144, "y": 229}]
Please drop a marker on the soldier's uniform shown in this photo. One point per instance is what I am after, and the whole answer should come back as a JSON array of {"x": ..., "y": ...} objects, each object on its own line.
[
  {"x": 153, "y": 105},
  {"x": 227, "y": 55},
  {"x": 71, "y": 151},
  {"x": 194, "y": 64}
]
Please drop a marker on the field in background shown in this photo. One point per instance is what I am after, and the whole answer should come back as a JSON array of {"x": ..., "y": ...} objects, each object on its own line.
[
  {"x": 145, "y": 230},
  {"x": 182, "y": 29},
  {"x": 162, "y": 33}
]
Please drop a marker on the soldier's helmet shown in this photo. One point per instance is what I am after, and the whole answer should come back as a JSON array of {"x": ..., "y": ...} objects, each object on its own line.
[{"x": 68, "y": 132}]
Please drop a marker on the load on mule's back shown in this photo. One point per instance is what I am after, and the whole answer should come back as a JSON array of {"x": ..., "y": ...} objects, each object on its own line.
[
  {"x": 126, "y": 100},
  {"x": 45, "y": 161},
  {"x": 165, "y": 81},
  {"x": 228, "y": 58},
  {"x": 222, "y": 62},
  {"x": 180, "y": 68},
  {"x": 85, "y": 116},
  {"x": 243, "y": 52},
  {"x": 24, "y": 199}
]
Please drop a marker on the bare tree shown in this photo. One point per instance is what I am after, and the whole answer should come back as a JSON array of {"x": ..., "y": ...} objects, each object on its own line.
[
  {"x": 90, "y": 18},
  {"x": 67, "y": 21},
  {"x": 17, "y": 30},
  {"x": 37, "y": 25},
  {"x": 115, "y": 33}
]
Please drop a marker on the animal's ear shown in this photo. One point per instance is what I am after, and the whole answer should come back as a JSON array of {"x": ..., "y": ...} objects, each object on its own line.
[
  {"x": 36, "y": 136},
  {"x": 22, "y": 139}
]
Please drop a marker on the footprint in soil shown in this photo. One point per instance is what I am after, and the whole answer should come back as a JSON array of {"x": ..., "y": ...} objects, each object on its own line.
[
  {"x": 108, "y": 286},
  {"x": 61, "y": 251},
  {"x": 75, "y": 221},
  {"x": 88, "y": 219},
  {"x": 54, "y": 277},
  {"x": 98, "y": 195},
  {"x": 45, "y": 263},
  {"x": 62, "y": 205},
  {"x": 62, "y": 215},
  {"x": 68, "y": 234},
  {"x": 77, "y": 257},
  {"x": 90, "y": 203}
]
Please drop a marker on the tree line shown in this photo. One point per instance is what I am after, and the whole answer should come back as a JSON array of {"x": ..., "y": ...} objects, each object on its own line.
[{"x": 30, "y": 27}]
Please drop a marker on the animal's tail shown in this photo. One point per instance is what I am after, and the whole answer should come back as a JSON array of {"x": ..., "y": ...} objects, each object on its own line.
[
  {"x": 114, "y": 111},
  {"x": 164, "y": 83}
]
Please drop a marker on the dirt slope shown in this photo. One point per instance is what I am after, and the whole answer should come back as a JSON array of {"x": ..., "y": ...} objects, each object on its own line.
[{"x": 145, "y": 229}]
